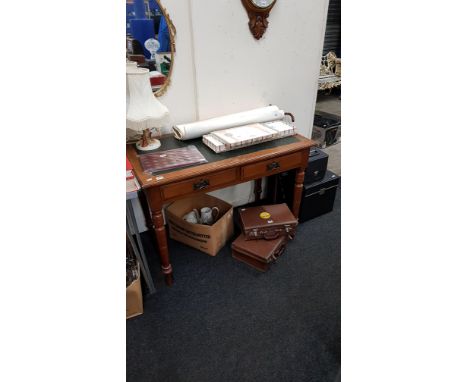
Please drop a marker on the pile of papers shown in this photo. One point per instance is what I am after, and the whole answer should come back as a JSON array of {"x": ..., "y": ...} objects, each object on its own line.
[{"x": 197, "y": 129}]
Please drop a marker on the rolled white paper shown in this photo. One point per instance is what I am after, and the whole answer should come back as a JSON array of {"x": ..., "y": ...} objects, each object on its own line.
[{"x": 197, "y": 129}]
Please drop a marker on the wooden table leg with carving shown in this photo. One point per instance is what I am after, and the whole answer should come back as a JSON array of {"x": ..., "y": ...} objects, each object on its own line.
[
  {"x": 300, "y": 172},
  {"x": 161, "y": 236},
  {"x": 145, "y": 206}
]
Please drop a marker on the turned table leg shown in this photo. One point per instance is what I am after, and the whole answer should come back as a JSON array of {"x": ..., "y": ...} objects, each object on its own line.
[
  {"x": 258, "y": 189},
  {"x": 298, "y": 191},
  {"x": 160, "y": 231}
]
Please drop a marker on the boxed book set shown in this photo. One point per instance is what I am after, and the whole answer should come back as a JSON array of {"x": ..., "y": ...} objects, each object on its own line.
[{"x": 248, "y": 135}]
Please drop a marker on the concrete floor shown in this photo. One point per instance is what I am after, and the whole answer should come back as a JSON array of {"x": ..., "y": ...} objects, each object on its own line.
[{"x": 331, "y": 104}]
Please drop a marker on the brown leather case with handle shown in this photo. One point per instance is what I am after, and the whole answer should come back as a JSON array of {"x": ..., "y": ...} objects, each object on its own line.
[
  {"x": 259, "y": 254},
  {"x": 268, "y": 222}
]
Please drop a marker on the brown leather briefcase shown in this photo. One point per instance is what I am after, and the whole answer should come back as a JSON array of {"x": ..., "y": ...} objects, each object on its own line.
[
  {"x": 268, "y": 222},
  {"x": 258, "y": 253}
]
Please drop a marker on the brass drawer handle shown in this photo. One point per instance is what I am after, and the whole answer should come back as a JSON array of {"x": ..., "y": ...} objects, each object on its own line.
[
  {"x": 273, "y": 166},
  {"x": 201, "y": 185}
]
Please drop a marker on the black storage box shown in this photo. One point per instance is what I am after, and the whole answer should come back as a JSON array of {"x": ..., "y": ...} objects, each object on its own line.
[
  {"x": 327, "y": 129},
  {"x": 280, "y": 186},
  {"x": 318, "y": 198},
  {"x": 318, "y": 161}
]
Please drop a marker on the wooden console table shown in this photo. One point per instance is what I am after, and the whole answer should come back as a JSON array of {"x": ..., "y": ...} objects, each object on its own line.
[{"x": 222, "y": 170}]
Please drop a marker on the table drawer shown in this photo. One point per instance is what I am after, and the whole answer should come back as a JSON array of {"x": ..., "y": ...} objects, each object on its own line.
[
  {"x": 272, "y": 166},
  {"x": 204, "y": 183}
]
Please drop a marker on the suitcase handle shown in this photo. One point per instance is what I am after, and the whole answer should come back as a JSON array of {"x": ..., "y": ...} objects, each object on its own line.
[
  {"x": 280, "y": 252},
  {"x": 269, "y": 236}
]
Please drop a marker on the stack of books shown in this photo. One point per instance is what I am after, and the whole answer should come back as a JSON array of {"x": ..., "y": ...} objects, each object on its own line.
[
  {"x": 132, "y": 184},
  {"x": 248, "y": 135}
]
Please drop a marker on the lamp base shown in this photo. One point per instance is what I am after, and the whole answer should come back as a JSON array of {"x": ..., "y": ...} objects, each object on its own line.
[{"x": 153, "y": 145}]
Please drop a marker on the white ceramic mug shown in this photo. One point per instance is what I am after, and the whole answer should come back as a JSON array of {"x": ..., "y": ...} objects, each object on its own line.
[
  {"x": 192, "y": 217},
  {"x": 208, "y": 215}
]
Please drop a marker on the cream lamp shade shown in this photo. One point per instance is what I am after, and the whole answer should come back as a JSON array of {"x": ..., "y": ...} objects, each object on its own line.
[{"x": 144, "y": 111}]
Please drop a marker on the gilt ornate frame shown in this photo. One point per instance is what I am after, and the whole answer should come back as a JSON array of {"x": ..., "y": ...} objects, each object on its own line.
[{"x": 172, "y": 33}]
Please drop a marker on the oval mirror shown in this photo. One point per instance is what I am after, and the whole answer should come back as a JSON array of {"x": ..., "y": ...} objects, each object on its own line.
[{"x": 150, "y": 41}]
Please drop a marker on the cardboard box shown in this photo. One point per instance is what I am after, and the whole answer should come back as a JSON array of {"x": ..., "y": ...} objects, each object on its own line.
[
  {"x": 208, "y": 239},
  {"x": 134, "y": 298}
]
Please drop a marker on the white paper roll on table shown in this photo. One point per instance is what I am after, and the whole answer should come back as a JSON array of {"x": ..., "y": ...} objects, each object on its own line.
[{"x": 197, "y": 129}]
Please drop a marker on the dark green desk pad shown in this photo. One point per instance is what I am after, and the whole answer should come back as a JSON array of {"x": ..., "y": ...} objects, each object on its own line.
[{"x": 169, "y": 142}]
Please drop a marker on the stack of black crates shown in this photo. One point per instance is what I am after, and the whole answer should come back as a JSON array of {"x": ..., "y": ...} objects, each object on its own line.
[{"x": 320, "y": 186}]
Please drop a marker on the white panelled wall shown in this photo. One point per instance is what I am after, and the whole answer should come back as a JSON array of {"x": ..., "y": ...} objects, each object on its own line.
[{"x": 220, "y": 68}]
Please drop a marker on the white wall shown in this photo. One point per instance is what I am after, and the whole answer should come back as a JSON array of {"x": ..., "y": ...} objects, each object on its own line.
[
  {"x": 235, "y": 72},
  {"x": 220, "y": 68}
]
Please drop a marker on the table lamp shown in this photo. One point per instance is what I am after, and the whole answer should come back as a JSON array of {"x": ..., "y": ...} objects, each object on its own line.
[
  {"x": 153, "y": 46},
  {"x": 144, "y": 111}
]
